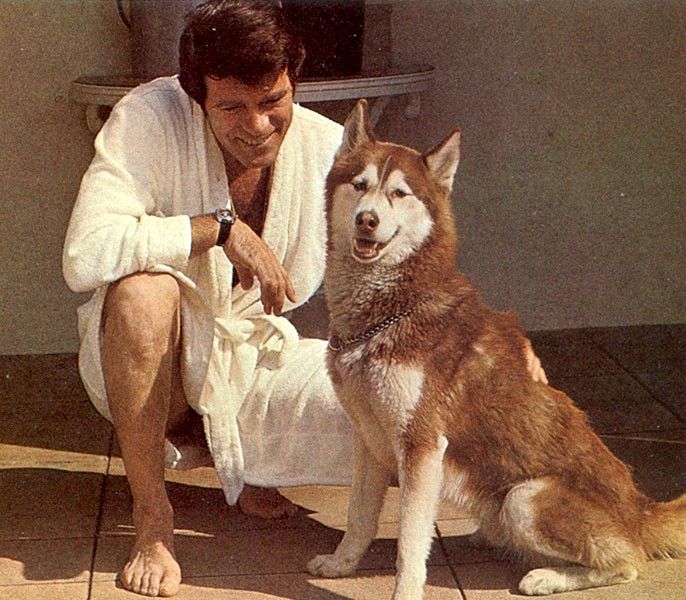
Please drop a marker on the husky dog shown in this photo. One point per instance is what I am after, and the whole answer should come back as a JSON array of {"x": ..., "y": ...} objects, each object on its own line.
[{"x": 437, "y": 388}]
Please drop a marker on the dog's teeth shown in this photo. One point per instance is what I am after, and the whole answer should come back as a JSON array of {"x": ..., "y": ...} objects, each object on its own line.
[
  {"x": 365, "y": 244},
  {"x": 365, "y": 248}
]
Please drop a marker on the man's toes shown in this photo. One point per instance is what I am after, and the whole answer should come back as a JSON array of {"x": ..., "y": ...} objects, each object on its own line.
[
  {"x": 170, "y": 581},
  {"x": 169, "y": 586},
  {"x": 153, "y": 585},
  {"x": 143, "y": 583},
  {"x": 130, "y": 578},
  {"x": 126, "y": 579}
]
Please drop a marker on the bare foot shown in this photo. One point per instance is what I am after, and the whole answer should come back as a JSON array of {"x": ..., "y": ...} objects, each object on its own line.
[
  {"x": 266, "y": 503},
  {"x": 152, "y": 569}
]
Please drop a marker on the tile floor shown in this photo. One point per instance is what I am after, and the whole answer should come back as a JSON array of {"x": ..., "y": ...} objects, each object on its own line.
[{"x": 65, "y": 524}]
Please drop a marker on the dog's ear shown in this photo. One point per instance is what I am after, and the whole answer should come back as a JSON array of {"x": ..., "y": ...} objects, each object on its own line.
[
  {"x": 357, "y": 129},
  {"x": 443, "y": 159}
]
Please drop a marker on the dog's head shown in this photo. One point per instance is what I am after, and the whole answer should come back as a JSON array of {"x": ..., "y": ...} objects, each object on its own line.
[{"x": 385, "y": 201}]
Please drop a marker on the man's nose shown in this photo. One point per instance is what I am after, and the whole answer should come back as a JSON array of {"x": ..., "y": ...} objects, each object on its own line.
[
  {"x": 366, "y": 221},
  {"x": 257, "y": 123}
]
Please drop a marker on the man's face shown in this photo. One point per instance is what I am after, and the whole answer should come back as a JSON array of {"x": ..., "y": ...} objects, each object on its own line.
[{"x": 250, "y": 121}]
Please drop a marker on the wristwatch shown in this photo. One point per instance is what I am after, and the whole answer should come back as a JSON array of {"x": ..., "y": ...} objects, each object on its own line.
[{"x": 225, "y": 217}]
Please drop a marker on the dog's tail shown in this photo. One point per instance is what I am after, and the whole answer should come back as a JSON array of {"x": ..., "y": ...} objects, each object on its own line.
[{"x": 663, "y": 530}]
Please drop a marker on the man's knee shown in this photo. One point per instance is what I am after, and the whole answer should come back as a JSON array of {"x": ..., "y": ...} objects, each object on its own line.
[{"x": 142, "y": 310}]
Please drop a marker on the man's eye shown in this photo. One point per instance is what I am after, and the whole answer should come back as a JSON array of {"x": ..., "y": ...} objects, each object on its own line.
[{"x": 360, "y": 186}]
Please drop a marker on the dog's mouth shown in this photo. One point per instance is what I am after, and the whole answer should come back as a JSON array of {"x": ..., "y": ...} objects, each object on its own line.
[{"x": 366, "y": 250}]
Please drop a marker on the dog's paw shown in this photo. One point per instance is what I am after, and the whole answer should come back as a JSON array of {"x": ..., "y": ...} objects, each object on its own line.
[
  {"x": 329, "y": 565},
  {"x": 409, "y": 588},
  {"x": 541, "y": 582}
]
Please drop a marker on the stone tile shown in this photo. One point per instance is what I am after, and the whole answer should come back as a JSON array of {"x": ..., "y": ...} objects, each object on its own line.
[
  {"x": 617, "y": 403},
  {"x": 65, "y": 426},
  {"x": 558, "y": 336},
  {"x": 197, "y": 509},
  {"x": 672, "y": 436},
  {"x": 16, "y": 456},
  {"x": 238, "y": 553},
  {"x": 644, "y": 348},
  {"x": 461, "y": 548},
  {"x": 249, "y": 552},
  {"x": 364, "y": 585},
  {"x": 40, "y": 378},
  {"x": 459, "y": 545},
  {"x": 488, "y": 580},
  {"x": 656, "y": 335},
  {"x": 459, "y": 528},
  {"x": 44, "y": 561},
  {"x": 48, "y": 591},
  {"x": 669, "y": 387},
  {"x": 48, "y": 503},
  {"x": 572, "y": 355},
  {"x": 661, "y": 580},
  {"x": 329, "y": 505},
  {"x": 676, "y": 436},
  {"x": 658, "y": 467}
]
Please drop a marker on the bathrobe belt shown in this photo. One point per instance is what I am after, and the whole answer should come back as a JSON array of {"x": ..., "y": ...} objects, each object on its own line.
[{"x": 240, "y": 345}]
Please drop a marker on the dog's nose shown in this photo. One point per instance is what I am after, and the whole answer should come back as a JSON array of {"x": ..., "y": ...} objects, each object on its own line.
[{"x": 367, "y": 221}]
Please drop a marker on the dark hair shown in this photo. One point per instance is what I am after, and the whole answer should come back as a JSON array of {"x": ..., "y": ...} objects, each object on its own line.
[{"x": 248, "y": 40}]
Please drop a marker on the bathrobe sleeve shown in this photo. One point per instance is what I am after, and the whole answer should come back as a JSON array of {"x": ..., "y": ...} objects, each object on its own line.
[{"x": 118, "y": 225}]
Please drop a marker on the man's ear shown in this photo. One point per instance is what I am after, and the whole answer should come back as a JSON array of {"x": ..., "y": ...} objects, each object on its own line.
[
  {"x": 356, "y": 130},
  {"x": 443, "y": 159}
]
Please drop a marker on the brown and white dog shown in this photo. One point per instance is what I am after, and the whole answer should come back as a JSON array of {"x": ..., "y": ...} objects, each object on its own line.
[{"x": 437, "y": 388}]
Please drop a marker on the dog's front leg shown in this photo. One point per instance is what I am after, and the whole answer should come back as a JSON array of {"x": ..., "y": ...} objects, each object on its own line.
[
  {"x": 420, "y": 475},
  {"x": 369, "y": 483}
]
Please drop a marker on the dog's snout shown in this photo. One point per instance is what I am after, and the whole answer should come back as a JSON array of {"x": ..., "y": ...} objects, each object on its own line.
[{"x": 367, "y": 221}]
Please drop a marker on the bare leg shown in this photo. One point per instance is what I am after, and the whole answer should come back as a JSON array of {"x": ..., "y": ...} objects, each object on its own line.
[{"x": 140, "y": 341}]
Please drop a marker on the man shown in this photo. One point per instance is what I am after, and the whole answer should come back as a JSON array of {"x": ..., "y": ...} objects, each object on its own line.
[{"x": 168, "y": 334}]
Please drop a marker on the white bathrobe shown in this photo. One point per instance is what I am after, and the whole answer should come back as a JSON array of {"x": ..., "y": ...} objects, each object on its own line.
[{"x": 268, "y": 408}]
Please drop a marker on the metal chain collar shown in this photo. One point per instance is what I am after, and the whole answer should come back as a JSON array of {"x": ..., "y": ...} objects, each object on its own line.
[{"x": 337, "y": 343}]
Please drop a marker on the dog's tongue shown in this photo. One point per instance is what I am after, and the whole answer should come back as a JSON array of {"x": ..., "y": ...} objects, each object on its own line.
[{"x": 365, "y": 248}]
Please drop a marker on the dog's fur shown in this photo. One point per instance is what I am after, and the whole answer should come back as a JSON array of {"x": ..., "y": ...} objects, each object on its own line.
[{"x": 443, "y": 399}]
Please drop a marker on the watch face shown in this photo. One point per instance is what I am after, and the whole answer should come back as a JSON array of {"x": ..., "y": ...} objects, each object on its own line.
[{"x": 225, "y": 214}]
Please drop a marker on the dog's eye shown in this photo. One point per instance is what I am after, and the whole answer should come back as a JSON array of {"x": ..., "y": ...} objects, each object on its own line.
[
  {"x": 360, "y": 185},
  {"x": 398, "y": 193}
]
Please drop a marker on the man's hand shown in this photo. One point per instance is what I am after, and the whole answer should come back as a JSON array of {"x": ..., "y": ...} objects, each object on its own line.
[
  {"x": 533, "y": 364},
  {"x": 252, "y": 258}
]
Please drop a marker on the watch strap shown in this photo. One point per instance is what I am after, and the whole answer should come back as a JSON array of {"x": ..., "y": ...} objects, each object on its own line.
[
  {"x": 226, "y": 217},
  {"x": 224, "y": 232}
]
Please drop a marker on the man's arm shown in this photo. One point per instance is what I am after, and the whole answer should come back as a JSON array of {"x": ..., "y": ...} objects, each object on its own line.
[
  {"x": 116, "y": 227},
  {"x": 251, "y": 257}
]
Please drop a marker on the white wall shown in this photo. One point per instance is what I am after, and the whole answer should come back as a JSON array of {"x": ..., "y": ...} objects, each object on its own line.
[
  {"x": 569, "y": 194},
  {"x": 45, "y": 149}
]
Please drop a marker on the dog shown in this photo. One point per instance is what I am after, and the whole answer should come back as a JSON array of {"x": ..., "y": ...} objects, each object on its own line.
[{"x": 437, "y": 389}]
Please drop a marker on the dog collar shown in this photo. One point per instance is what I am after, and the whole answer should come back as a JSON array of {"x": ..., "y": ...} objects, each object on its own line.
[{"x": 337, "y": 342}]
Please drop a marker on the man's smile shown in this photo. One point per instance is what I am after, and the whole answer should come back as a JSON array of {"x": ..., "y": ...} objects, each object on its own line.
[{"x": 254, "y": 143}]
